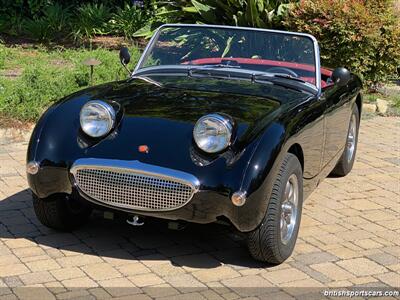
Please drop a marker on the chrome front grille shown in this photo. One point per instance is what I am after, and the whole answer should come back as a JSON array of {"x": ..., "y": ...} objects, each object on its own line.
[{"x": 134, "y": 185}]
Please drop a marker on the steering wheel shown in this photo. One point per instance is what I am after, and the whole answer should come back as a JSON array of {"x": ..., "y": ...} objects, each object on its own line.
[{"x": 283, "y": 70}]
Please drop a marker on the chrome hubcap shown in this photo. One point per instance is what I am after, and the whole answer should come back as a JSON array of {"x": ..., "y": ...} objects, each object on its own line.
[
  {"x": 351, "y": 138},
  {"x": 289, "y": 209}
]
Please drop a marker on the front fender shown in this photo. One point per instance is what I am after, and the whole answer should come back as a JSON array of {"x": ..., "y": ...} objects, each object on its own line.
[
  {"x": 36, "y": 182},
  {"x": 260, "y": 175}
]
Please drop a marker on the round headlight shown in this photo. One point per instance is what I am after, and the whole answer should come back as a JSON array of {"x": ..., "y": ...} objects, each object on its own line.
[
  {"x": 212, "y": 133},
  {"x": 97, "y": 118}
]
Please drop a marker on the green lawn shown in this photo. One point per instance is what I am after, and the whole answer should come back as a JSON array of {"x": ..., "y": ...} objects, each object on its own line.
[{"x": 32, "y": 79}]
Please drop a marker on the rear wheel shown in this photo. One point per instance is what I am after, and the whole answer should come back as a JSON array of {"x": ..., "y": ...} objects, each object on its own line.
[
  {"x": 274, "y": 240},
  {"x": 61, "y": 212},
  {"x": 346, "y": 161}
]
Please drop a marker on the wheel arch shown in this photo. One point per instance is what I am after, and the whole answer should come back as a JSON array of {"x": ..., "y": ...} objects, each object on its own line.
[
  {"x": 297, "y": 150},
  {"x": 259, "y": 178},
  {"x": 359, "y": 103}
]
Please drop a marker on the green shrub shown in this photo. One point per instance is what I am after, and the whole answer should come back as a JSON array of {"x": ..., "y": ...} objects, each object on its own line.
[
  {"x": 11, "y": 24},
  {"x": 35, "y": 6},
  {"x": 14, "y": 14},
  {"x": 396, "y": 101},
  {"x": 252, "y": 13},
  {"x": 53, "y": 25},
  {"x": 37, "y": 29},
  {"x": 126, "y": 21},
  {"x": 58, "y": 19},
  {"x": 51, "y": 20},
  {"x": 90, "y": 20},
  {"x": 360, "y": 35}
]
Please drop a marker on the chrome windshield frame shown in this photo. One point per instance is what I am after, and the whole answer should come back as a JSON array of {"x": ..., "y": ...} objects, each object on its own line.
[{"x": 151, "y": 44}]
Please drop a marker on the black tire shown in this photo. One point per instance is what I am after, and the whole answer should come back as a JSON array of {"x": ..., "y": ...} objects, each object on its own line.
[
  {"x": 61, "y": 212},
  {"x": 345, "y": 163},
  {"x": 265, "y": 243}
]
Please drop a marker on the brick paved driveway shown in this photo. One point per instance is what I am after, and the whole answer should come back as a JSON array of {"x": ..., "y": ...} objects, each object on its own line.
[{"x": 349, "y": 236}]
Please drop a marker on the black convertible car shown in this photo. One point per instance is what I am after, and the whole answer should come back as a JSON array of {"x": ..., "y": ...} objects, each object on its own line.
[{"x": 214, "y": 123}]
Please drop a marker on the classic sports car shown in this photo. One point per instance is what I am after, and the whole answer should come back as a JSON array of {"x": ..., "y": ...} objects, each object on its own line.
[{"x": 215, "y": 123}]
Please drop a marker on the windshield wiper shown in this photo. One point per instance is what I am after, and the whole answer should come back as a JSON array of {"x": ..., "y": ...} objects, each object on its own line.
[
  {"x": 218, "y": 73},
  {"x": 287, "y": 76},
  {"x": 278, "y": 75},
  {"x": 221, "y": 66},
  {"x": 277, "y": 80}
]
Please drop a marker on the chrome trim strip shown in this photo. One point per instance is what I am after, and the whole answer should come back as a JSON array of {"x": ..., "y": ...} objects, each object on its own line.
[
  {"x": 314, "y": 40},
  {"x": 138, "y": 168},
  {"x": 146, "y": 49},
  {"x": 317, "y": 66}
]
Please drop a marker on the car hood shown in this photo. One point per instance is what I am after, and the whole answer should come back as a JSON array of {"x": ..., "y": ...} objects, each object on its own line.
[{"x": 183, "y": 100}]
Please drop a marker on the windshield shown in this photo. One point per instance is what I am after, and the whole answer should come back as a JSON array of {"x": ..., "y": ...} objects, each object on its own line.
[{"x": 284, "y": 53}]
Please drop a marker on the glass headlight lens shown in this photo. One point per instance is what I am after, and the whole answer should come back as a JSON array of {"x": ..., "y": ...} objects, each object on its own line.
[
  {"x": 97, "y": 118},
  {"x": 212, "y": 133}
]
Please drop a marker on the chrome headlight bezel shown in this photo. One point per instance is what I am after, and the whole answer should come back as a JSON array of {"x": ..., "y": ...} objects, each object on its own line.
[
  {"x": 204, "y": 140},
  {"x": 105, "y": 113}
]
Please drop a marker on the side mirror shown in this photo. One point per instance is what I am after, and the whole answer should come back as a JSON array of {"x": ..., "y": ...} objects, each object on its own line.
[
  {"x": 341, "y": 76},
  {"x": 124, "y": 56}
]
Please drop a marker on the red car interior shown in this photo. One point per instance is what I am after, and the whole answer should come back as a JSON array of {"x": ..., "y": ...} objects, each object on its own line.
[{"x": 305, "y": 70}]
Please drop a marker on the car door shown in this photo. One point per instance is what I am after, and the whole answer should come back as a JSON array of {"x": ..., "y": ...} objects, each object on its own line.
[
  {"x": 312, "y": 139},
  {"x": 337, "y": 117}
]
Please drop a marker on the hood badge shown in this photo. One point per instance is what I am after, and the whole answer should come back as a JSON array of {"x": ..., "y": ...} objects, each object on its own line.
[{"x": 143, "y": 149}]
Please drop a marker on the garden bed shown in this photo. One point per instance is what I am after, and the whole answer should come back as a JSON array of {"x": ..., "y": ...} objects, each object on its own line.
[
  {"x": 33, "y": 77},
  {"x": 360, "y": 35}
]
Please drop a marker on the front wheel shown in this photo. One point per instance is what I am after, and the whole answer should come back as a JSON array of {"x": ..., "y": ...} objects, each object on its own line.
[
  {"x": 274, "y": 239},
  {"x": 61, "y": 212}
]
